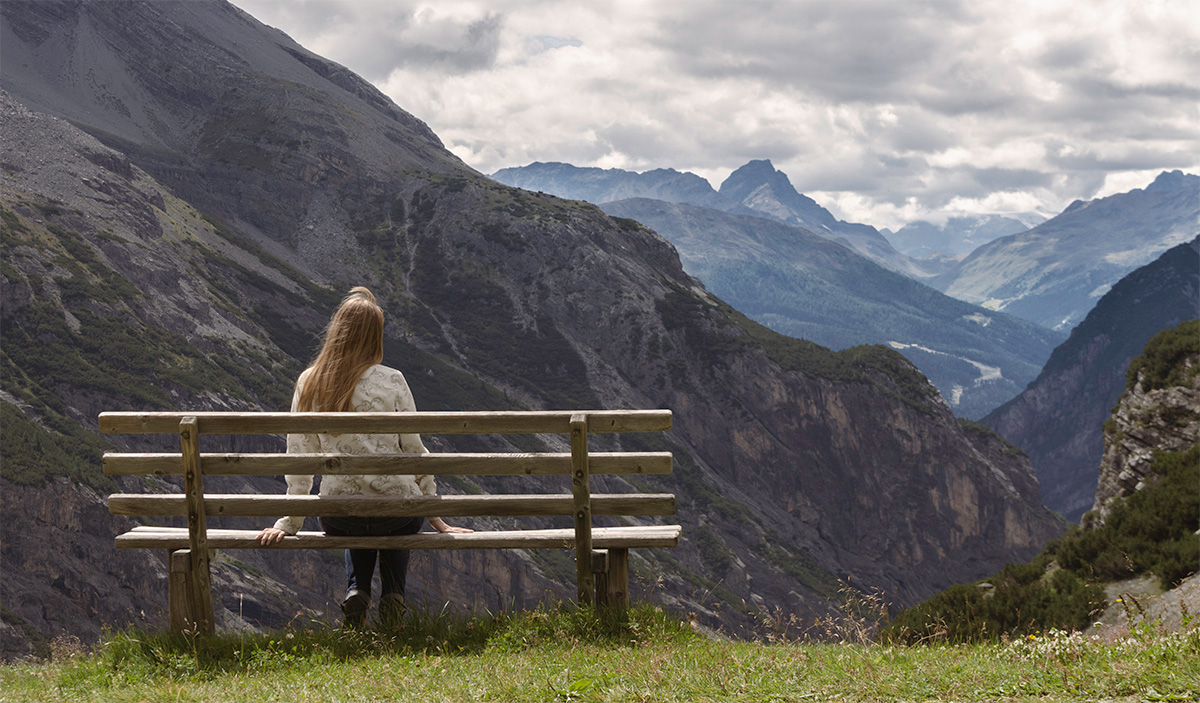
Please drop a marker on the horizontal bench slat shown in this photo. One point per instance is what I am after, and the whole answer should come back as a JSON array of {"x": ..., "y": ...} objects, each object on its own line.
[
  {"x": 522, "y": 422},
  {"x": 506, "y": 464},
  {"x": 240, "y": 505},
  {"x": 602, "y": 538}
]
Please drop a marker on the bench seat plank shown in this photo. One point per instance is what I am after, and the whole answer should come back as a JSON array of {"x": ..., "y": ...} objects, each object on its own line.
[
  {"x": 447, "y": 464},
  {"x": 254, "y": 505},
  {"x": 147, "y": 537},
  {"x": 500, "y": 422}
]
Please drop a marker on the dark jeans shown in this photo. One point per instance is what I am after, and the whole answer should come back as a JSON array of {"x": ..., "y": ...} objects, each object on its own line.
[{"x": 360, "y": 563}]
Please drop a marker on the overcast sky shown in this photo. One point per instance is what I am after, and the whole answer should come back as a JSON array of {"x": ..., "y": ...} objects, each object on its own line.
[{"x": 883, "y": 111}]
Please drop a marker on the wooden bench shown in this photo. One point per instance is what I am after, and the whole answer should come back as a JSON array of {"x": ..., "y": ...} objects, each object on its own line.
[{"x": 604, "y": 572}]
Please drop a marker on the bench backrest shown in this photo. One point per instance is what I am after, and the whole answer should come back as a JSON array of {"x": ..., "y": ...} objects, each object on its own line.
[{"x": 580, "y": 464}]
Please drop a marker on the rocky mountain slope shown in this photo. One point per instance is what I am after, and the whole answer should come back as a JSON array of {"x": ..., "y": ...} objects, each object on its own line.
[
  {"x": 1055, "y": 273},
  {"x": 180, "y": 223},
  {"x": 789, "y": 277},
  {"x": 1158, "y": 412},
  {"x": 1057, "y": 420},
  {"x": 806, "y": 286}
]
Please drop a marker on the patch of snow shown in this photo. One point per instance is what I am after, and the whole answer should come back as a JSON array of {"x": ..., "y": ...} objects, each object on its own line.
[
  {"x": 1130, "y": 257},
  {"x": 978, "y": 318},
  {"x": 986, "y": 373},
  {"x": 1099, "y": 291}
]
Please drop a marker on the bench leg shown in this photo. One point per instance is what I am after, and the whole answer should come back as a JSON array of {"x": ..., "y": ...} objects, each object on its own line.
[
  {"x": 617, "y": 586},
  {"x": 611, "y": 567},
  {"x": 181, "y": 608},
  {"x": 188, "y": 610},
  {"x": 600, "y": 575}
]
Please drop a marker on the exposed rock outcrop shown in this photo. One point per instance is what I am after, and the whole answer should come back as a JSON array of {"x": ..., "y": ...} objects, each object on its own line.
[{"x": 1145, "y": 421}]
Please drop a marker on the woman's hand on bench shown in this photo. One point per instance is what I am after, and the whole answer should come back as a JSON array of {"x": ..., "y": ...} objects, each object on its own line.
[
  {"x": 440, "y": 525},
  {"x": 270, "y": 535}
]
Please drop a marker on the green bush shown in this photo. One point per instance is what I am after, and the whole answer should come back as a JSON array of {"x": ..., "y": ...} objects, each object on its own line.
[
  {"x": 1161, "y": 361},
  {"x": 1022, "y": 599},
  {"x": 1153, "y": 530}
]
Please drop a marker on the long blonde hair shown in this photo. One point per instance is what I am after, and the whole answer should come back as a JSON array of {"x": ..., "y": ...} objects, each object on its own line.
[{"x": 353, "y": 344}]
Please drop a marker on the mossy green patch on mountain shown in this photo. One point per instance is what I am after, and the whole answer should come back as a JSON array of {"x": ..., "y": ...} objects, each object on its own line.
[
  {"x": 31, "y": 454},
  {"x": 797, "y": 563},
  {"x": 1160, "y": 363}
]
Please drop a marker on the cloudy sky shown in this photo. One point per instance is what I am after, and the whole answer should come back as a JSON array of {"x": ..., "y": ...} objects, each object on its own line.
[{"x": 884, "y": 111}]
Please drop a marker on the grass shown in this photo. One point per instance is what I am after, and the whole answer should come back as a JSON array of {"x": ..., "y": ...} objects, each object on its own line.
[{"x": 581, "y": 655}]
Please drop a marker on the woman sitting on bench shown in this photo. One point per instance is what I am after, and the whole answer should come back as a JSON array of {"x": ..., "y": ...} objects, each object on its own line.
[{"x": 348, "y": 375}]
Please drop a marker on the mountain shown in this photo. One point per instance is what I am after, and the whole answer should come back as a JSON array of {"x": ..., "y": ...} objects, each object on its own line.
[
  {"x": 1054, "y": 273},
  {"x": 762, "y": 188},
  {"x": 806, "y": 286},
  {"x": 185, "y": 195},
  {"x": 604, "y": 185},
  {"x": 958, "y": 236},
  {"x": 1057, "y": 420},
  {"x": 756, "y": 188}
]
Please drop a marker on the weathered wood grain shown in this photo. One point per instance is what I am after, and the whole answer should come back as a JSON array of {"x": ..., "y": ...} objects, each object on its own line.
[
  {"x": 449, "y": 464},
  {"x": 254, "y": 505},
  {"x": 500, "y": 422}
]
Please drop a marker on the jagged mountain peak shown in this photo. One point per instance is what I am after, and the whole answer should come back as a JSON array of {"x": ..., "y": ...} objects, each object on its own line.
[
  {"x": 760, "y": 186},
  {"x": 1173, "y": 180}
]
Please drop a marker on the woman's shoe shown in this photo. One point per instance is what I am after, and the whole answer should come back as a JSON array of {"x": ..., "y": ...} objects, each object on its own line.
[
  {"x": 391, "y": 609},
  {"x": 354, "y": 608}
]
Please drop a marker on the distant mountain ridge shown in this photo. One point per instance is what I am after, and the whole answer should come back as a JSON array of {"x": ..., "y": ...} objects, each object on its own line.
[
  {"x": 603, "y": 185},
  {"x": 1057, "y": 420},
  {"x": 1054, "y": 273},
  {"x": 958, "y": 236},
  {"x": 756, "y": 188}
]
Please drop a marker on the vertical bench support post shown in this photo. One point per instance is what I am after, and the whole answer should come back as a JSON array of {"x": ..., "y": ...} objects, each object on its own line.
[
  {"x": 617, "y": 583},
  {"x": 181, "y": 610},
  {"x": 198, "y": 578},
  {"x": 581, "y": 491}
]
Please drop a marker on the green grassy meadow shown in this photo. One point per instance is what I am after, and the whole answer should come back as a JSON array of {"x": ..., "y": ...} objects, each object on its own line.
[{"x": 569, "y": 655}]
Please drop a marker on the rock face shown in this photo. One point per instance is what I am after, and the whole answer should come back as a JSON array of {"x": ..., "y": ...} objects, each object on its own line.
[
  {"x": 181, "y": 220},
  {"x": 1057, "y": 420},
  {"x": 1054, "y": 273},
  {"x": 1149, "y": 419}
]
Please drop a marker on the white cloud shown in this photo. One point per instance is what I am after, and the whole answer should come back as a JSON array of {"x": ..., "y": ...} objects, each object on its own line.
[{"x": 881, "y": 110}]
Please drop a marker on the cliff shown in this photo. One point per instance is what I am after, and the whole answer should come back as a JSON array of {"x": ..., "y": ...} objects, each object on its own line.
[{"x": 1158, "y": 412}]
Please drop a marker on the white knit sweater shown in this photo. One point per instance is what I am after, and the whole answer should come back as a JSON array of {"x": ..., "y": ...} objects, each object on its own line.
[{"x": 381, "y": 389}]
